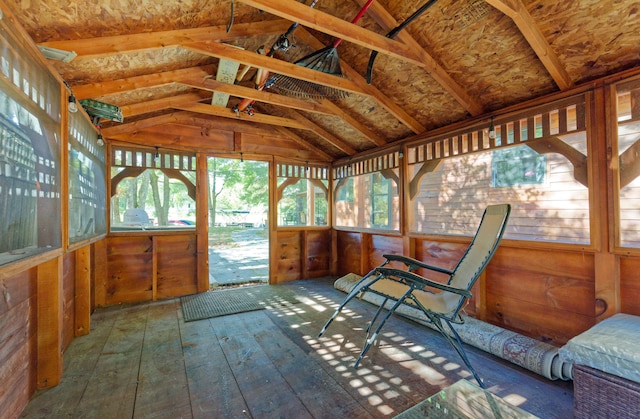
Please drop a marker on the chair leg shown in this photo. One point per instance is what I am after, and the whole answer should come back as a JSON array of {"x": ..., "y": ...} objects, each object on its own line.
[
  {"x": 375, "y": 317},
  {"x": 370, "y": 339},
  {"x": 456, "y": 344},
  {"x": 359, "y": 287}
]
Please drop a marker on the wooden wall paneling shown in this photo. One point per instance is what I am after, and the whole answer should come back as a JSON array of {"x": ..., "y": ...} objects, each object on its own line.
[
  {"x": 477, "y": 306},
  {"x": 555, "y": 327},
  {"x": 129, "y": 269},
  {"x": 18, "y": 341},
  {"x": 318, "y": 253},
  {"x": 100, "y": 272},
  {"x": 82, "y": 299},
  {"x": 630, "y": 285},
  {"x": 548, "y": 295},
  {"x": 202, "y": 224},
  {"x": 381, "y": 245},
  {"x": 176, "y": 265},
  {"x": 438, "y": 253},
  {"x": 288, "y": 266},
  {"x": 348, "y": 245},
  {"x": 49, "y": 323},
  {"x": 68, "y": 298},
  {"x": 365, "y": 249}
]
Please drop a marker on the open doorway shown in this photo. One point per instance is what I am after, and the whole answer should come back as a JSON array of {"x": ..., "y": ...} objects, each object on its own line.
[{"x": 238, "y": 224}]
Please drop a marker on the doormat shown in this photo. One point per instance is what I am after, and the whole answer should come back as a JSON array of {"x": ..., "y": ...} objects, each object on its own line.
[{"x": 237, "y": 300}]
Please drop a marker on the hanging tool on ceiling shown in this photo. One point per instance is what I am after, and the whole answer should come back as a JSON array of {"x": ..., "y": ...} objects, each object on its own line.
[
  {"x": 395, "y": 31},
  {"x": 283, "y": 43},
  {"x": 325, "y": 60},
  {"x": 233, "y": 11}
]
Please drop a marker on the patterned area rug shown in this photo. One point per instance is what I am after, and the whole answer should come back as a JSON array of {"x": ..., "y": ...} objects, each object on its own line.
[
  {"x": 236, "y": 300},
  {"x": 534, "y": 355}
]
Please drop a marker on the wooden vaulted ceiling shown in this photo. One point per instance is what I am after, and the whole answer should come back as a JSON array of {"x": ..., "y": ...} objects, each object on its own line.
[{"x": 458, "y": 60}]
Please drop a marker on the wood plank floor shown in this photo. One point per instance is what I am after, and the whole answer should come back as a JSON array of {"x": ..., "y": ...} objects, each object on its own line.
[{"x": 144, "y": 361}]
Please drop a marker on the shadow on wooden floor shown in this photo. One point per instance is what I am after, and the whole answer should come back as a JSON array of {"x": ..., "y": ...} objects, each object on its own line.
[{"x": 145, "y": 361}]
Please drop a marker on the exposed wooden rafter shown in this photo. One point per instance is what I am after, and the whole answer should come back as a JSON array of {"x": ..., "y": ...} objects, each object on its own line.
[
  {"x": 208, "y": 109},
  {"x": 110, "y": 45},
  {"x": 161, "y": 104},
  {"x": 119, "y": 44},
  {"x": 388, "y": 22},
  {"x": 331, "y": 25},
  {"x": 527, "y": 26},
  {"x": 304, "y": 143},
  {"x": 298, "y": 12},
  {"x": 219, "y": 50},
  {"x": 93, "y": 90},
  {"x": 335, "y": 141}
]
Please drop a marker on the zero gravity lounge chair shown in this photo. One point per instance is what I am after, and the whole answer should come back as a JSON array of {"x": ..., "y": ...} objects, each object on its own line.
[{"x": 440, "y": 302}]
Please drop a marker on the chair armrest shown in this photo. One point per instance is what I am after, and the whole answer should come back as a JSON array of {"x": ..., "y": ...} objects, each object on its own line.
[
  {"x": 413, "y": 264},
  {"x": 411, "y": 277}
]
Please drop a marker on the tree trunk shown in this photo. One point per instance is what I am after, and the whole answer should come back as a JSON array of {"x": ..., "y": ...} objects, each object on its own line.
[{"x": 161, "y": 211}]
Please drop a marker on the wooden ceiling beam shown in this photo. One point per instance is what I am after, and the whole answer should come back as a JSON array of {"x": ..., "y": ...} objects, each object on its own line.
[
  {"x": 110, "y": 45},
  {"x": 131, "y": 127},
  {"x": 118, "y": 44},
  {"x": 327, "y": 136},
  {"x": 325, "y": 107},
  {"x": 369, "y": 134},
  {"x": 534, "y": 36},
  {"x": 200, "y": 77},
  {"x": 323, "y": 156},
  {"x": 254, "y": 94},
  {"x": 160, "y": 104},
  {"x": 225, "y": 124},
  {"x": 441, "y": 76},
  {"x": 339, "y": 28},
  {"x": 274, "y": 65},
  {"x": 256, "y": 118},
  {"x": 105, "y": 88}
]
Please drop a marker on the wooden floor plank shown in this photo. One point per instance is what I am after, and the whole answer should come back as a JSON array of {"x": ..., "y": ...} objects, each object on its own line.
[
  {"x": 386, "y": 392},
  {"x": 145, "y": 361},
  {"x": 162, "y": 382},
  {"x": 213, "y": 390},
  {"x": 80, "y": 360},
  {"x": 271, "y": 395},
  {"x": 111, "y": 390},
  {"x": 289, "y": 359}
]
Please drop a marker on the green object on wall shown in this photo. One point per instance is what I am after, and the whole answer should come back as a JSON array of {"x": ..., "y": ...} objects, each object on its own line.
[{"x": 102, "y": 110}]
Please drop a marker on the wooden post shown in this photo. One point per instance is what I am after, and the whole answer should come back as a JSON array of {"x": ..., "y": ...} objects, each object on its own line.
[
  {"x": 83, "y": 291},
  {"x": 603, "y": 183},
  {"x": 100, "y": 272},
  {"x": 333, "y": 270},
  {"x": 154, "y": 268},
  {"x": 273, "y": 222},
  {"x": 304, "y": 254},
  {"x": 50, "y": 323},
  {"x": 64, "y": 168},
  {"x": 202, "y": 224},
  {"x": 406, "y": 212}
]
